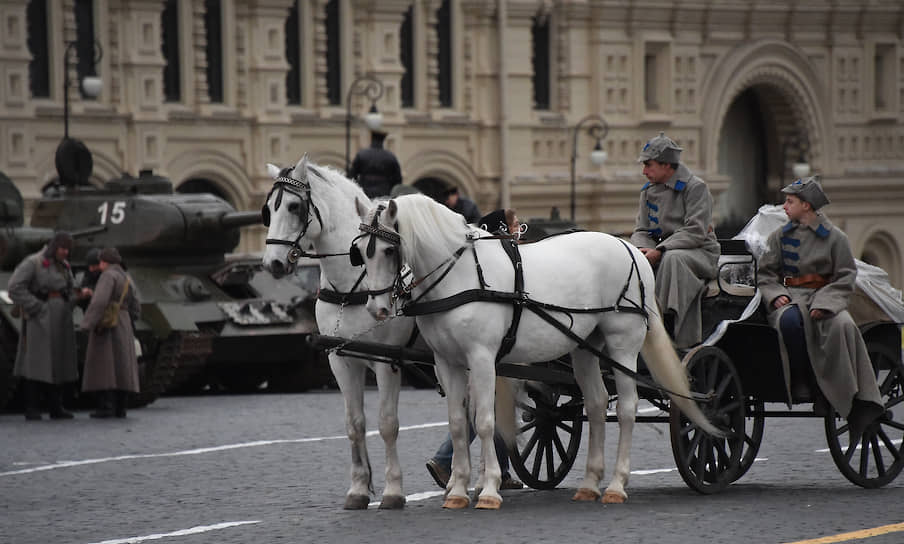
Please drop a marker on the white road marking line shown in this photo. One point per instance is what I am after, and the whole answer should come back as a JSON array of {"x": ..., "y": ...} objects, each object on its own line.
[
  {"x": 200, "y": 451},
  {"x": 844, "y": 446},
  {"x": 181, "y": 532}
]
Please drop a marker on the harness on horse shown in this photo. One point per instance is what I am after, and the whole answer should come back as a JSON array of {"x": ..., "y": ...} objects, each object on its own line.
[
  {"x": 518, "y": 298},
  {"x": 302, "y": 189}
]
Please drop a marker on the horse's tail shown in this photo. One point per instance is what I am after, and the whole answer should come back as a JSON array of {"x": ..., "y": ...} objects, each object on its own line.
[
  {"x": 505, "y": 411},
  {"x": 667, "y": 370}
]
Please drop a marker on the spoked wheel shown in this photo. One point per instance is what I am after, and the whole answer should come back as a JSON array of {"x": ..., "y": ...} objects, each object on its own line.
[
  {"x": 708, "y": 464},
  {"x": 549, "y": 437},
  {"x": 753, "y": 436},
  {"x": 878, "y": 458}
]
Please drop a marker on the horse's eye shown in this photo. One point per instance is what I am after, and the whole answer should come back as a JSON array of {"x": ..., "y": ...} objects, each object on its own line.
[
  {"x": 389, "y": 251},
  {"x": 294, "y": 207}
]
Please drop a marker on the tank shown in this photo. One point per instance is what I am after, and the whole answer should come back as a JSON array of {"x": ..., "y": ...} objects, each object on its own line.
[{"x": 207, "y": 316}]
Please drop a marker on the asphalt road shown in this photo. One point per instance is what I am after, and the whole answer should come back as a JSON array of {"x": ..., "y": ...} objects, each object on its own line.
[{"x": 273, "y": 468}]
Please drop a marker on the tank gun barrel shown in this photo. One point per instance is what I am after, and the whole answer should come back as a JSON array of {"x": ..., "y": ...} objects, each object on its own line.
[{"x": 231, "y": 220}]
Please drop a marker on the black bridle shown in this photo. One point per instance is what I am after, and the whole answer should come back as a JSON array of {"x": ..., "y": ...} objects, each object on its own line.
[
  {"x": 374, "y": 231},
  {"x": 302, "y": 189}
]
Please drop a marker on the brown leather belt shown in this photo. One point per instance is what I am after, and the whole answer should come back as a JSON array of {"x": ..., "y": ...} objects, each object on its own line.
[
  {"x": 810, "y": 281},
  {"x": 54, "y": 294}
]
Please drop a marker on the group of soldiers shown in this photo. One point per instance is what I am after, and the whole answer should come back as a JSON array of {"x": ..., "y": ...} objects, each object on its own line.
[{"x": 43, "y": 289}]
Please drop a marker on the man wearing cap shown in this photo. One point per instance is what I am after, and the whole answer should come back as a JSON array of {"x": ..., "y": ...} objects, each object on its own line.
[
  {"x": 111, "y": 367},
  {"x": 806, "y": 278},
  {"x": 42, "y": 287},
  {"x": 674, "y": 231},
  {"x": 375, "y": 168}
]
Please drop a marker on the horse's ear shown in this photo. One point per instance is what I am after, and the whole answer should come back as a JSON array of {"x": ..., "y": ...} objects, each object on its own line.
[
  {"x": 360, "y": 208},
  {"x": 301, "y": 167},
  {"x": 273, "y": 170},
  {"x": 392, "y": 210}
]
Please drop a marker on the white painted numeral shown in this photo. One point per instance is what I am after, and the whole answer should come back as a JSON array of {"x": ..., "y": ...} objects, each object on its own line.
[{"x": 117, "y": 213}]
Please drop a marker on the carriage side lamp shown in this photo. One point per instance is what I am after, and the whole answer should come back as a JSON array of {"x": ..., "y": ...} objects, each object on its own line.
[
  {"x": 598, "y": 129},
  {"x": 369, "y": 86},
  {"x": 91, "y": 85}
]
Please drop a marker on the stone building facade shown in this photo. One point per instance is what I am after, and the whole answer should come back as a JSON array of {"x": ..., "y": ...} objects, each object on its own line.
[{"x": 483, "y": 93}]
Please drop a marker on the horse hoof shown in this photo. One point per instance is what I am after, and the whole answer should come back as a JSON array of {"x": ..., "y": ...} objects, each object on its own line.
[
  {"x": 584, "y": 494},
  {"x": 456, "y": 502},
  {"x": 392, "y": 502},
  {"x": 356, "y": 502},
  {"x": 489, "y": 503},
  {"x": 611, "y": 497}
]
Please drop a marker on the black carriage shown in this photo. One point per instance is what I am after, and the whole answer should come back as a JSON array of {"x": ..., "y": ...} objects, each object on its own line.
[{"x": 735, "y": 374}]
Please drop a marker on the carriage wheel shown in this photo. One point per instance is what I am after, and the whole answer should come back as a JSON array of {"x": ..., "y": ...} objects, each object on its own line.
[
  {"x": 708, "y": 464},
  {"x": 549, "y": 437},
  {"x": 879, "y": 457},
  {"x": 753, "y": 436}
]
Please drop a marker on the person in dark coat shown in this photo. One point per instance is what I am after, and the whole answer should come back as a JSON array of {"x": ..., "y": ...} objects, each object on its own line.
[
  {"x": 111, "y": 366},
  {"x": 42, "y": 287},
  {"x": 376, "y": 169},
  {"x": 89, "y": 278},
  {"x": 806, "y": 277}
]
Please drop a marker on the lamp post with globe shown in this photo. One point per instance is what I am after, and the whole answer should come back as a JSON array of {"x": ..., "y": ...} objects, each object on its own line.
[
  {"x": 371, "y": 87},
  {"x": 90, "y": 85},
  {"x": 800, "y": 168},
  {"x": 73, "y": 159},
  {"x": 597, "y": 129}
]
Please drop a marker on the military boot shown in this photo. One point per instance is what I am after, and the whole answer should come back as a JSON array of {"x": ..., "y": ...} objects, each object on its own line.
[
  {"x": 31, "y": 391},
  {"x": 120, "y": 403},
  {"x": 55, "y": 403},
  {"x": 104, "y": 405}
]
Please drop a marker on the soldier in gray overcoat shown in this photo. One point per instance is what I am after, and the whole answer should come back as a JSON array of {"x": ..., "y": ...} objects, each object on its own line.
[
  {"x": 42, "y": 287},
  {"x": 674, "y": 231},
  {"x": 806, "y": 276},
  {"x": 111, "y": 366}
]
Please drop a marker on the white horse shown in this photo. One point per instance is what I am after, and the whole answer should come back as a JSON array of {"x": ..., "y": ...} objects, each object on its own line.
[
  {"x": 584, "y": 270},
  {"x": 314, "y": 206}
]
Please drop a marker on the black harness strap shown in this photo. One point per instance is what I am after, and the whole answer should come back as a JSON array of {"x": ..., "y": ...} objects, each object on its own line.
[{"x": 508, "y": 341}]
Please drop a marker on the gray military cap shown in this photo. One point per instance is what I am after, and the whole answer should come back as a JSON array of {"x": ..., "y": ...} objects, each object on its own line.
[
  {"x": 660, "y": 149},
  {"x": 808, "y": 189}
]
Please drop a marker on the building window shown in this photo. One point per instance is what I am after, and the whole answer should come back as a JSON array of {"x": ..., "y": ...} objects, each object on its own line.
[
  {"x": 406, "y": 56},
  {"x": 293, "y": 57},
  {"x": 39, "y": 66},
  {"x": 540, "y": 61},
  {"x": 169, "y": 46},
  {"x": 444, "y": 53},
  {"x": 84, "y": 38},
  {"x": 333, "y": 54},
  {"x": 883, "y": 77},
  {"x": 656, "y": 80},
  {"x": 213, "y": 27}
]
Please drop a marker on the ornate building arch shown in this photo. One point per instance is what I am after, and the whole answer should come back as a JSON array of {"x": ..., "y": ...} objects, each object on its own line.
[
  {"x": 444, "y": 165},
  {"x": 790, "y": 88},
  {"x": 881, "y": 249},
  {"x": 216, "y": 167}
]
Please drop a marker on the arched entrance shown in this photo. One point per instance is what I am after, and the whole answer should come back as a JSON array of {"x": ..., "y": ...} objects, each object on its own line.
[
  {"x": 203, "y": 185},
  {"x": 760, "y": 138}
]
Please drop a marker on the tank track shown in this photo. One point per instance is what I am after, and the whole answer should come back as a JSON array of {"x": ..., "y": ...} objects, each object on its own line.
[{"x": 179, "y": 358}]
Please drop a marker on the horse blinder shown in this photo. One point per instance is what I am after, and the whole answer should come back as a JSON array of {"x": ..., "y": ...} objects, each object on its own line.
[{"x": 354, "y": 255}]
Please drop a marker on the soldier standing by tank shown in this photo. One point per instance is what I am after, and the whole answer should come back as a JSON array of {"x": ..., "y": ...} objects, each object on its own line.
[
  {"x": 42, "y": 287},
  {"x": 111, "y": 366},
  {"x": 674, "y": 231},
  {"x": 376, "y": 169},
  {"x": 90, "y": 277}
]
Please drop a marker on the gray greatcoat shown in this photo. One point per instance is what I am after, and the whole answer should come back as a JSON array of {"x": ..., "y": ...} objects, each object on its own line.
[
  {"x": 676, "y": 217},
  {"x": 110, "y": 361},
  {"x": 836, "y": 350},
  {"x": 47, "y": 351}
]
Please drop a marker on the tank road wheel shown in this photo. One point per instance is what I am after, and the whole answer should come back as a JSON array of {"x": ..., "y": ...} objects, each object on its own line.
[
  {"x": 879, "y": 457},
  {"x": 753, "y": 436},
  {"x": 708, "y": 464},
  {"x": 549, "y": 437},
  {"x": 160, "y": 370}
]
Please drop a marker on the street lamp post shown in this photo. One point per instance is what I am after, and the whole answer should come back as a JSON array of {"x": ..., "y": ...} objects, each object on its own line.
[
  {"x": 371, "y": 87},
  {"x": 598, "y": 129},
  {"x": 91, "y": 85},
  {"x": 800, "y": 168}
]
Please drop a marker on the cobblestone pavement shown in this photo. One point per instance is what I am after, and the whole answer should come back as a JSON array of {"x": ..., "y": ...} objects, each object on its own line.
[{"x": 273, "y": 468}]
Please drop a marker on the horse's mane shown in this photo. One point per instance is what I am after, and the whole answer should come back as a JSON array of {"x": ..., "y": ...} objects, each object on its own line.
[
  {"x": 348, "y": 190},
  {"x": 430, "y": 231}
]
